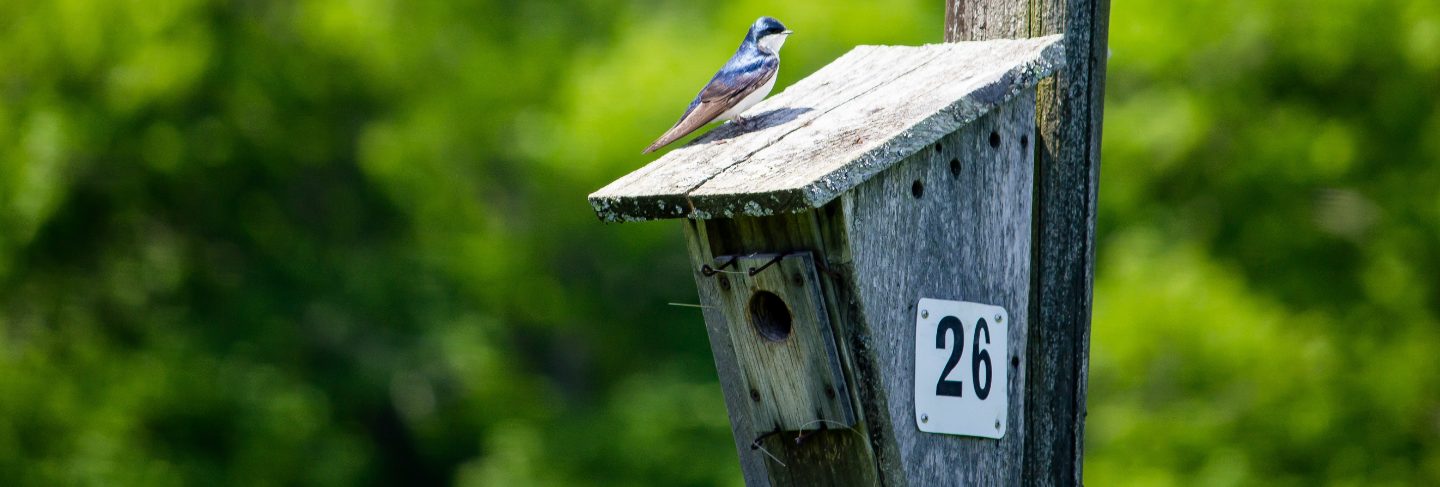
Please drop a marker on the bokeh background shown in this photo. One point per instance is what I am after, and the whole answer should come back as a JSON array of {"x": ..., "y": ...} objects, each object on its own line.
[{"x": 340, "y": 242}]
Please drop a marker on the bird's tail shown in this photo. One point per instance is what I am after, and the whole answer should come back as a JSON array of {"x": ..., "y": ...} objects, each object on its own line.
[
  {"x": 664, "y": 140},
  {"x": 695, "y": 117}
]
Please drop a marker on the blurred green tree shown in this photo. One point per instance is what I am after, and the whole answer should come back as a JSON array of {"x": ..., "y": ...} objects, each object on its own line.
[
  {"x": 339, "y": 242},
  {"x": 1270, "y": 239}
]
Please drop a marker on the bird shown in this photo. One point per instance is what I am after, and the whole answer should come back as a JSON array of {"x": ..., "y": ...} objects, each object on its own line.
[{"x": 742, "y": 82}]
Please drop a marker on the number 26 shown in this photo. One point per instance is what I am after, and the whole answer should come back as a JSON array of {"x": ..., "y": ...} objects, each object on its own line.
[{"x": 956, "y": 388}]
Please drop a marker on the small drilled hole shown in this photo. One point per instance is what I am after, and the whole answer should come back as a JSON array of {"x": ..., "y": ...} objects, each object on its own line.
[
  {"x": 770, "y": 316},
  {"x": 955, "y": 167},
  {"x": 939, "y": 147},
  {"x": 995, "y": 139},
  {"x": 917, "y": 189},
  {"x": 1015, "y": 362},
  {"x": 1024, "y": 141}
]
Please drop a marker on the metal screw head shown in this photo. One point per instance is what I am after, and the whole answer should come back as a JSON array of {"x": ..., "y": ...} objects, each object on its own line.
[
  {"x": 924, "y": 313},
  {"x": 924, "y": 418},
  {"x": 999, "y": 318}
]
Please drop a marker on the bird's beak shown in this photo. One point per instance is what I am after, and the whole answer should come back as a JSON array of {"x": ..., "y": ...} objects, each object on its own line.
[{"x": 788, "y": 32}]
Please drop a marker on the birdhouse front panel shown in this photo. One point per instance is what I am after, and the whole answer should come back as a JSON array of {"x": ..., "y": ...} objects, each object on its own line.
[{"x": 779, "y": 327}]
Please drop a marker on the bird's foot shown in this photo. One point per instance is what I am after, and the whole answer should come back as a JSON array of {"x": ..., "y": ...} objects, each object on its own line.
[{"x": 742, "y": 122}]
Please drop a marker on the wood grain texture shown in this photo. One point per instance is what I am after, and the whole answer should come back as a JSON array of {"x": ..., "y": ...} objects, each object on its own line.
[
  {"x": 1070, "y": 113},
  {"x": 965, "y": 237},
  {"x": 878, "y": 249},
  {"x": 982, "y": 20},
  {"x": 828, "y": 454},
  {"x": 831, "y": 131},
  {"x": 794, "y": 382}
]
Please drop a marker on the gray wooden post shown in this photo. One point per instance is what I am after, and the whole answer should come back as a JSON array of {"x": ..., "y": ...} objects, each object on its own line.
[
  {"x": 1068, "y": 177},
  {"x": 891, "y": 175}
]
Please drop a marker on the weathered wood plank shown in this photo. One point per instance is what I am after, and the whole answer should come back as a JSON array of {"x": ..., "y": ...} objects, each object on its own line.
[
  {"x": 966, "y": 236},
  {"x": 835, "y": 456},
  {"x": 856, "y": 89},
  {"x": 752, "y": 463},
  {"x": 1070, "y": 110},
  {"x": 780, "y": 328},
  {"x": 863, "y": 137},
  {"x": 982, "y": 20}
]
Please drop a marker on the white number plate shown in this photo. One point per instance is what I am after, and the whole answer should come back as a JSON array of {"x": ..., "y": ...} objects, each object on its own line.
[{"x": 961, "y": 359}]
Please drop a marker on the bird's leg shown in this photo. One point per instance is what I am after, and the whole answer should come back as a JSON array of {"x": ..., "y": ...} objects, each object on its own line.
[{"x": 742, "y": 122}]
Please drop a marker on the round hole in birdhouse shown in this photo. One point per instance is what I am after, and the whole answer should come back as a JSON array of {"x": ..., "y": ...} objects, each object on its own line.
[
  {"x": 955, "y": 167},
  {"x": 917, "y": 189},
  {"x": 770, "y": 316},
  {"x": 1024, "y": 141},
  {"x": 995, "y": 139}
]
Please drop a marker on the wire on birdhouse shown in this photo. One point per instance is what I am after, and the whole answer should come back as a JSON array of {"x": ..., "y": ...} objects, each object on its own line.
[
  {"x": 753, "y": 271},
  {"x": 756, "y": 445},
  {"x": 710, "y": 271}
]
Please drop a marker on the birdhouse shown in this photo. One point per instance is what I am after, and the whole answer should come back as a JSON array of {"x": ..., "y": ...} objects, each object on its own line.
[{"x": 862, "y": 252}]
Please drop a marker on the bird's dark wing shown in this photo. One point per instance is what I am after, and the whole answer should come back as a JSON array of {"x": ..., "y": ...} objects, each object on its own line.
[{"x": 737, "y": 79}]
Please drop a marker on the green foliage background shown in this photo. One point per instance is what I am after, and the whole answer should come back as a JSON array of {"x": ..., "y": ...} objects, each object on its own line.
[{"x": 346, "y": 242}]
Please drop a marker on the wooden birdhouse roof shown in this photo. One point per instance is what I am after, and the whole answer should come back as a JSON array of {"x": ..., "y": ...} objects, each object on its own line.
[{"x": 831, "y": 131}]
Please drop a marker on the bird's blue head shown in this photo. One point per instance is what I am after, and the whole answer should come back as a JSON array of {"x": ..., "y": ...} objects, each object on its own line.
[{"x": 769, "y": 33}]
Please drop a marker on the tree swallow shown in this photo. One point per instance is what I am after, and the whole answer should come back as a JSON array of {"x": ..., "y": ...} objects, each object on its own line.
[{"x": 741, "y": 83}]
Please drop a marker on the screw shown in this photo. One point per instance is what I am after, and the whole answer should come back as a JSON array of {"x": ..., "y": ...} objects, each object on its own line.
[
  {"x": 997, "y": 425},
  {"x": 724, "y": 283},
  {"x": 924, "y": 313},
  {"x": 924, "y": 418},
  {"x": 755, "y": 395},
  {"x": 999, "y": 318}
]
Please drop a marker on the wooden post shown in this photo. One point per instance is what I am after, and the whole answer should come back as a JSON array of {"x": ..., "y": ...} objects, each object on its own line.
[{"x": 1069, "y": 110}]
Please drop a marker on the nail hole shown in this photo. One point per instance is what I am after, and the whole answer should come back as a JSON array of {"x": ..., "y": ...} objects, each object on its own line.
[
  {"x": 1015, "y": 361},
  {"x": 754, "y": 395},
  {"x": 1024, "y": 141},
  {"x": 955, "y": 167},
  {"x": 917, "y": 189},
  {"x": 939, "y": 147},
  {"x": 994, "y": 139},
  {"x": 770, "y": 316}
]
